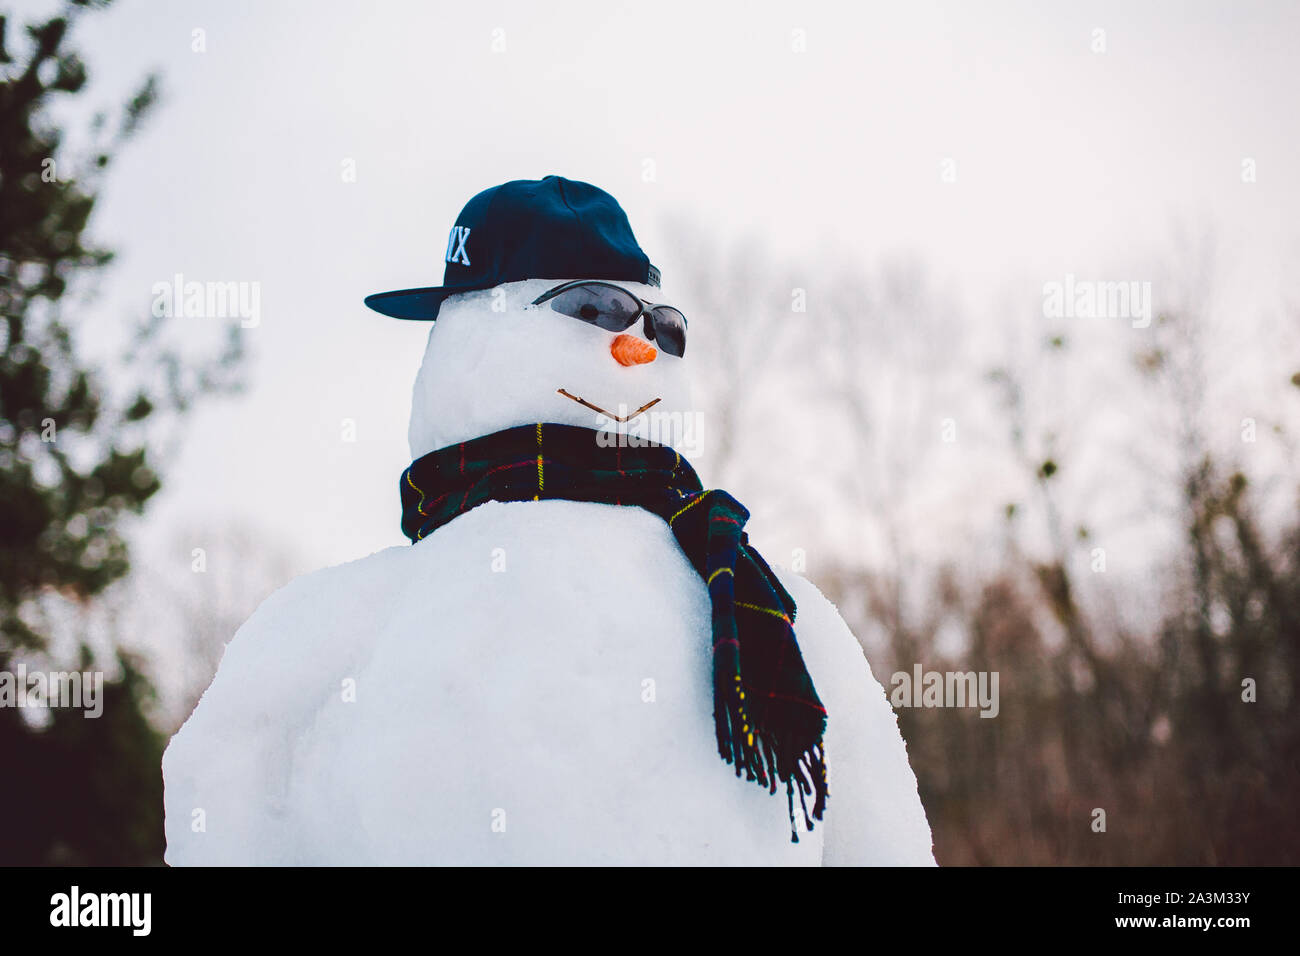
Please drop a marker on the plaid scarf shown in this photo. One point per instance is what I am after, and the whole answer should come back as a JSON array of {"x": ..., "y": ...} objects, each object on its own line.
[{"x": 768, "y": 718}]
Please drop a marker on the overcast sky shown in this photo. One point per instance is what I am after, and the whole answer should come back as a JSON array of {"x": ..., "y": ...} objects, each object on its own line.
[{"x": 1060, "y": 158}]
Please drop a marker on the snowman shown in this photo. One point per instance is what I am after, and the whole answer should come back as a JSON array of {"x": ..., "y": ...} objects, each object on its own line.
[{"x": 580, "y": 659}]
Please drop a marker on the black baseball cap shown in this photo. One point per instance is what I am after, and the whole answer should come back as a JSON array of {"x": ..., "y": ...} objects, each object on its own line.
[{"x": 552, "y": 228}]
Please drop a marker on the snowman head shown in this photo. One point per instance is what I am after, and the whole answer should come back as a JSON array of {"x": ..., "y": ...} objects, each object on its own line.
[
  {"x": 602, "y": 349},
  {"x": 499, "y": 358}
]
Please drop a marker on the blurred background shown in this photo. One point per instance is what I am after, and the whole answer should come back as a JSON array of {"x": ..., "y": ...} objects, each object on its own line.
[{"x": 858, "y": 206}]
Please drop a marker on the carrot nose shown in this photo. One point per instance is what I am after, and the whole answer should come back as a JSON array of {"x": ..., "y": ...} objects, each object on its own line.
[{"x": 630, "y": 350}]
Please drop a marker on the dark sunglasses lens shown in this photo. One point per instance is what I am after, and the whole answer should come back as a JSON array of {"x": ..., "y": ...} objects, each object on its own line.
[
  {"x": 670, "y": 330},
  {"x": 603, "y": 306}
]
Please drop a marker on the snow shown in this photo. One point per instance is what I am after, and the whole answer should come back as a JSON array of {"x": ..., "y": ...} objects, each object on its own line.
[
  {"x": 528, "y": 684},
  {"x": 481, "y": 691}
]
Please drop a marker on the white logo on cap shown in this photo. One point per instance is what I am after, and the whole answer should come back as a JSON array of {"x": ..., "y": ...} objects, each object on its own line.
[{"x": 456, "y": 251}]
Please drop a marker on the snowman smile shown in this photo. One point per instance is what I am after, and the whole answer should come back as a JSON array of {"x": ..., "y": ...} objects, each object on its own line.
[{"x": 597, "y": 408}]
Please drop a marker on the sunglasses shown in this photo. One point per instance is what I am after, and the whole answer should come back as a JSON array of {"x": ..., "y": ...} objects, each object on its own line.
[{"x": 613, "y": 308}]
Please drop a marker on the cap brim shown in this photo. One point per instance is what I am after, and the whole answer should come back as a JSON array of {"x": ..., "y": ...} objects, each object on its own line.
[{"x": 414, "y": 304}]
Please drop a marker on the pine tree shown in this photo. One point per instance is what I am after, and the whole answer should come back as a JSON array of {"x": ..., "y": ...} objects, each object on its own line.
[{"x": 74, "y": 461}]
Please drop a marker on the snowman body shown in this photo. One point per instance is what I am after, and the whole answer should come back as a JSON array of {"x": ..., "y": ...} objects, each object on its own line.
[{"x": 529, "y": 684}]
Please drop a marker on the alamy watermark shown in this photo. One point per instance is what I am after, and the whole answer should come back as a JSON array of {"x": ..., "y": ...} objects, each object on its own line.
[
  {"x": 40, "y": 689},
  {"x": 1098, "y": 299},
  {"x": 923, "y": 688},
  {"x": 682, "y": 431},
  {"x": 178, "y": 299},
  {"x": 131, "y": 911}
]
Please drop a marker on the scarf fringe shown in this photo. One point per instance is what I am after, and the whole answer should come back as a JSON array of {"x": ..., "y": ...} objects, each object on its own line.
[{"x": 761, "y": 757}]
